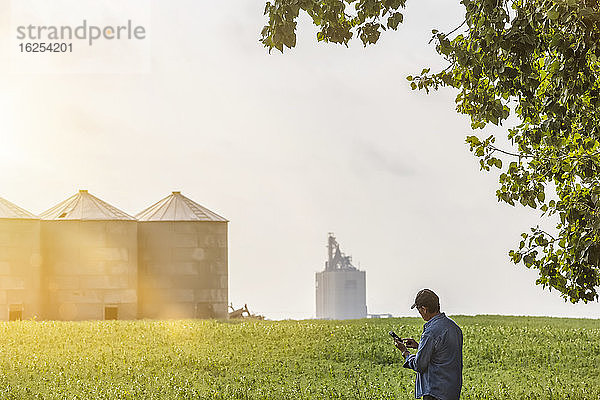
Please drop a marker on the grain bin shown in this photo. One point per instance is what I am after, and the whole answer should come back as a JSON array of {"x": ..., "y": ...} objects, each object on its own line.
[
  {"x": 90, "y": 260},
  {"x": 183, "y": 260},
  {"x": 20, "y": 263}
]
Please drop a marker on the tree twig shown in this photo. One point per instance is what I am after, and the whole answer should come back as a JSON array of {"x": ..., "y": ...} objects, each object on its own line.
[
  {"x": 508, "y": 153},
  {"x": 457, "y": 28}
]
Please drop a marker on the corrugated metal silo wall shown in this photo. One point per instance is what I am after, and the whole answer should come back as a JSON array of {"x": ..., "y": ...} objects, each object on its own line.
[
  {"x": 20, "y": 267},
  {"x": 183, "y": 269},
  {"x": 88, "y": 266}
]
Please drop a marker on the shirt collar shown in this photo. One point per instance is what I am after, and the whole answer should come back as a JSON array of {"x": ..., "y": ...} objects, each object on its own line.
[{"x": 438, "y": 316}]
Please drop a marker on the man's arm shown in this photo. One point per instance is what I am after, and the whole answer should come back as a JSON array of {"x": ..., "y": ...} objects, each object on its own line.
[{"x": 419, "y": 362}]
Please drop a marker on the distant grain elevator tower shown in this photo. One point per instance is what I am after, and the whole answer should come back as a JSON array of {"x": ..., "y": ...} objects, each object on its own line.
[
  {"x": 183, "y": 260},
  {"x": 90, "y": 260},
  {"x": 20, "y": 263},
  {"x": 341, "y": 287}
]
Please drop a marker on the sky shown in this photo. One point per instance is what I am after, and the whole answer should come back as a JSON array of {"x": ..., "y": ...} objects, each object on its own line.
[{"x": 288, "y": 147}]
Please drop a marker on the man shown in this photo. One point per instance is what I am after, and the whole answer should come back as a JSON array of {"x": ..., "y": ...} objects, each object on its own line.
[{"x": 438, "y": 362}]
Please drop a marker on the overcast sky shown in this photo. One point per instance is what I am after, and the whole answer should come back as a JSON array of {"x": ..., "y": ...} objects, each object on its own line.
[{"x": 288, "y": 148}]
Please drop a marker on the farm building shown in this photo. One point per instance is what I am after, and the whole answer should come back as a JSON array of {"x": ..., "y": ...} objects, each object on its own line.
[
  {"x": 183, "y": 260},
  {"x": 90, "y": 266},
  {"x": 84, "y": 259},
  {"x": 20, "y": 263},
  {"x": 341, "y": 287}
]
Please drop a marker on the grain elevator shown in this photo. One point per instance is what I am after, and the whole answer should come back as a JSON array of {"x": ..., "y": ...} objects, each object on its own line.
[{"x": 341, "y": 287}]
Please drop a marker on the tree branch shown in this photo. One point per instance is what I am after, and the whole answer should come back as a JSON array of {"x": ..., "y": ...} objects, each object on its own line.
[
  {"x": 508, "y": 153},
  {"x": 457, "y": 28}
]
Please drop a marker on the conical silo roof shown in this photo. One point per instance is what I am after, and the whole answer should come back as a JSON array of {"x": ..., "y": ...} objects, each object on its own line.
[
  {"x": 177, "y": 207},
  {"x": 9, "y": 210},
  {"x": 84, "y": 206}
]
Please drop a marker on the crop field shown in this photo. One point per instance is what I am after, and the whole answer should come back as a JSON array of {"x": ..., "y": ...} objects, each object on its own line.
[{"x": 504, "y": 358}]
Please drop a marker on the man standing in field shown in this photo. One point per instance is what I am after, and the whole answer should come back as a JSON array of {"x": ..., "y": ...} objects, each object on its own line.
[{"x": 438, "y": 362}]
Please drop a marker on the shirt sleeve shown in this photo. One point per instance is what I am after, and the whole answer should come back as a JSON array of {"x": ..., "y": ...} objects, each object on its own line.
[{"x": 419, "y": 362}]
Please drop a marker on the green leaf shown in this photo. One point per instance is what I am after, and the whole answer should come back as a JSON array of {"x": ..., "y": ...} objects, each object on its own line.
[
  {"x": 553, "y": 14},
  {"x": 541, "y": 196}
]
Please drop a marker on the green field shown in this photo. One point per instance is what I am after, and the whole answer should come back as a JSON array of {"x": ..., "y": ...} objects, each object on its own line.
[{"x": 504, "y": 358}]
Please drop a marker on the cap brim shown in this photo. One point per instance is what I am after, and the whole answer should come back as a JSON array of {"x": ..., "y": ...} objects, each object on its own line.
[{"x": 413, "y": 306}]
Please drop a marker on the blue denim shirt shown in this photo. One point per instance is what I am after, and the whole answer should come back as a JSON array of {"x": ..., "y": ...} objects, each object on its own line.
[{"x": 438, "y": 361}]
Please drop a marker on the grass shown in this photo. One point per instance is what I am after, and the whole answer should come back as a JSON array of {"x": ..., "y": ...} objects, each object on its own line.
[{"x": 504, "y": 358}]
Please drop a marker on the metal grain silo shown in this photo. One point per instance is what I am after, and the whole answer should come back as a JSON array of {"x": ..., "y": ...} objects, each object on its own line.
[
  {"x": 183, "y": 260},
  {"x": 20, "y": 263},
  {"x": 90, "y": 260}
]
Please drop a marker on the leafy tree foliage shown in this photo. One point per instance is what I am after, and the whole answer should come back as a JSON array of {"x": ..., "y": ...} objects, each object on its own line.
[{"x": 537, "y": 60}]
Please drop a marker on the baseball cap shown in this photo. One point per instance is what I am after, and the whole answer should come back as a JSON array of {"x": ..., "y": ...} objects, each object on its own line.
[{"x": 427, "y": 298}]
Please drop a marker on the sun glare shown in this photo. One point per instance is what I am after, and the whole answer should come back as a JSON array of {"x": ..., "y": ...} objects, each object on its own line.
[{"x": 7, "y": 132}]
